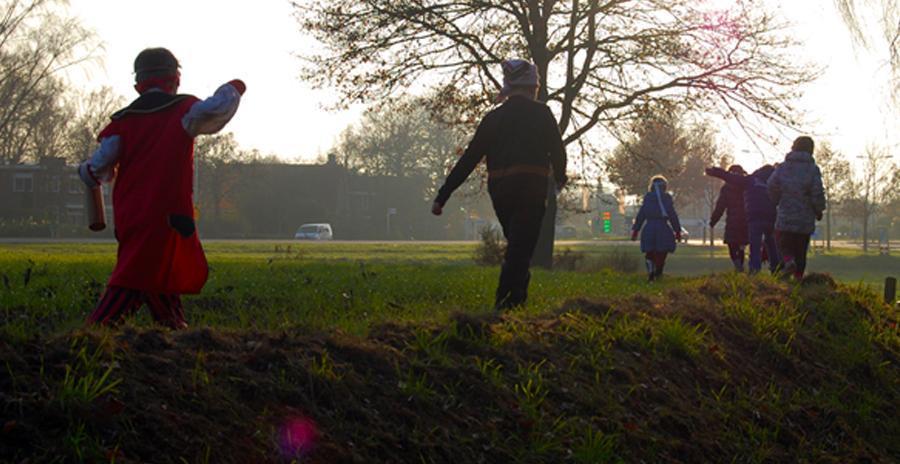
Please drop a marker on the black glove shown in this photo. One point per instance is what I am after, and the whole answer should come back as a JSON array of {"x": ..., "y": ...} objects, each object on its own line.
[{"x": 184, "y": 225}]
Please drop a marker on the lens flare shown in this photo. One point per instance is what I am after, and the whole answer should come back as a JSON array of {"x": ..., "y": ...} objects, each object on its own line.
[{"x": 298, "y": 437}]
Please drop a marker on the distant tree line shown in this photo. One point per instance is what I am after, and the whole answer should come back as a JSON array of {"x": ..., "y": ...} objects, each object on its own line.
[{"x": 41, "y": 115}]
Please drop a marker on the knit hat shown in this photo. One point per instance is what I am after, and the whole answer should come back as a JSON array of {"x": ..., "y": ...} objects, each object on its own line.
[{"x": 518, "y": 73}]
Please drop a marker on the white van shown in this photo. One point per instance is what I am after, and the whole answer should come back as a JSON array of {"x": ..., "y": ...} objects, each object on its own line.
[{"x": 314, "y": 232}]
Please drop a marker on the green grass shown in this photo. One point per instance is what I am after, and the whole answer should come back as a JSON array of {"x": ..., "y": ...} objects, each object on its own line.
[{"x": 275, "y": 285}]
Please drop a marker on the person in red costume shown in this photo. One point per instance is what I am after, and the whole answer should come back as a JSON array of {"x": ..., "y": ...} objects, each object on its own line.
[{"x": 148, "y": 150}]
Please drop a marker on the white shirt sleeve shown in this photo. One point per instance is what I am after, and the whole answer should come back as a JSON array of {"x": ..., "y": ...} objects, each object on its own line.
[
  {"x": 210, "y": 116},
  {"x": 101, "y": 166}
]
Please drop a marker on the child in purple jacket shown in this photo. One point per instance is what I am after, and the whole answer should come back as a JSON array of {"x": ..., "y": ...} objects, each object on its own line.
[{"x": 760, "y": 213}]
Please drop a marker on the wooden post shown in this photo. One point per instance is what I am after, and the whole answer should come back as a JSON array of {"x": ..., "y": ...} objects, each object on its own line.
[{"x": 890, "y": 290}]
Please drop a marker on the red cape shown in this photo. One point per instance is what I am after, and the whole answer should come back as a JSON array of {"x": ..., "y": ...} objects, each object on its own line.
[{"x": 154, "y": 182}]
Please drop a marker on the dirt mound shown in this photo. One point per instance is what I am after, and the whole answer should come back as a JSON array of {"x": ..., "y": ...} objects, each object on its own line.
[{"x": 721, "y": 369}]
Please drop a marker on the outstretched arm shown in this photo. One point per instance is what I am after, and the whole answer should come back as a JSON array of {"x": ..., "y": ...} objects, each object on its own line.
[
  {"x": 466, "y": 164},
  {"x": 210, "y": 116},
  {"x": 736, "y": 179}
]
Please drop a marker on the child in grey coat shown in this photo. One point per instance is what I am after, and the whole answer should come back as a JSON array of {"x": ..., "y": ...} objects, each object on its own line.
[{"x": 796, "y": 188}]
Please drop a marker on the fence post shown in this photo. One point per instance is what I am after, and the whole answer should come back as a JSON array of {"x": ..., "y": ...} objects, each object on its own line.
[{"x": 890, "y": 290}]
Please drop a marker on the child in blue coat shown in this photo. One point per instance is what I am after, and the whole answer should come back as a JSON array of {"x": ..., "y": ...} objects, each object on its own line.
[{"x": 657, "y": 237}]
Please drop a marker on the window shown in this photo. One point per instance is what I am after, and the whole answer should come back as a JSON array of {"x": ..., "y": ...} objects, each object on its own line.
[
  {"x": 23, "y": 183},
  {"x": 74, "y": 217},
  {"x": 54, "y": 184},
  {"x": 75, "y": 184},
  {"x": 360, "y": 201}
]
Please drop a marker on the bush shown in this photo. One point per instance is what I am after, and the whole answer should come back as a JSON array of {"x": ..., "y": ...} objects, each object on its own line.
[
  {"x": 569, "y": 260},
  {"x": 616, "y": 259},
  {"x": 620, "y": 260},
  {"x": 491, "y": 249}
]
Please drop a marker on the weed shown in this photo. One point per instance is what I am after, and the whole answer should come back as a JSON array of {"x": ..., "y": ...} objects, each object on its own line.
[
  {"x": 432, "y": 345},
  {"x": 491, "y": 370},
  {"x": 547, "y": 438},
  {"x": 80, "y": 445},
  {"x": 530, "y": 391},
  {"x": 323, "y": 366},
  {"x": 199, "y": 376},
  {"x": 595, "y": 447},
  {"x": 415, "y": 386},
  {"x": 87, "y": 380},
  {"x": 509, "y": 330},
  {"x": 633, "y": 332},
  {"x": 675, "y": 336}
]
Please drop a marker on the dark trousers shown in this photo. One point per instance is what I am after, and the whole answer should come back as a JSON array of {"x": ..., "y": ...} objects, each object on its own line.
[
  {"x": 520, "y": 209},
  {"x": 737, "y": 255},
  {"x": 793, "y": 248},
  {"x": 762, "y": 233},
  {"x": 118, "y": 302}
]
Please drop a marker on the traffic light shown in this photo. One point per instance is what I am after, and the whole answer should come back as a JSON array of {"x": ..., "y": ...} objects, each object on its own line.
[{"x": 607, "y": 222}]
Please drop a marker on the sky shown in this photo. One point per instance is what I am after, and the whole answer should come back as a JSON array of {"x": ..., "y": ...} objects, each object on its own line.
[{"x": 217, "y": 40}]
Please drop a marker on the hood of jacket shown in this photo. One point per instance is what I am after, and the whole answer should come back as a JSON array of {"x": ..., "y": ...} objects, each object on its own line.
[{"x": 799, "y": 157}]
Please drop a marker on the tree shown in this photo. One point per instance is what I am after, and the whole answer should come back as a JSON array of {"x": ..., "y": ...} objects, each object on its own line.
[
  {"x": 599, "y": 61},
  {"x": 835, "y": 177},
  {"x": 37, "y": 41},
  {"x": 872, "y": 190},
  {"x": 404, "y": 139},
  {"x": 886, "y": 21},
  {"x": 215, "y": 181},
  {"x": 660, "y": 145},
  {"x": 92, "y": 111}
]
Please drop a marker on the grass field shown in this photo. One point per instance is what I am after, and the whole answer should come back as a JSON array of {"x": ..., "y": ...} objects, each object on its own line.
[
  {"x": 271, "y": 285},
  {"x": 390, "y": 353}
]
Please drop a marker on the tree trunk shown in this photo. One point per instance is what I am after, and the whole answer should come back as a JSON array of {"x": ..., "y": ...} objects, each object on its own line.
[
  {"x": 543, "y": 251},
  {"x": 866, "y": 233},
  {"x": 828, "y": 228}
]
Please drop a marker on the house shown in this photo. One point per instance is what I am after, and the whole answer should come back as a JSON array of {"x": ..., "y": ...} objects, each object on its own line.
[{"x": 42, "y": 199}]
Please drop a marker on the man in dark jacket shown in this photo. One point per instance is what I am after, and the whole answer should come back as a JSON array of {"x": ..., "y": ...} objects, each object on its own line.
[
  {"x": 731, "y": 200},
  {"x": 523, "y": 146},
  {"x": 796, "y": 187},
  {"x": 760, "y": 213}
]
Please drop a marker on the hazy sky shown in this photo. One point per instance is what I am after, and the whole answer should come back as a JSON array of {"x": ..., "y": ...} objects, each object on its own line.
[{"x": 217, "y": 40}]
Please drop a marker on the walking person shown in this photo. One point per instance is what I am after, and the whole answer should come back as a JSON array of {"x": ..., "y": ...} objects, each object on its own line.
[
  {"x": 759, "y": 211},
  {"x": 796, "y": 188},
  {"x": 147, "y": 149},
  {"x": 653, "y": 222},
  {"x": 731, "y": 203},
  {"x": 523, "y": 147}
]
